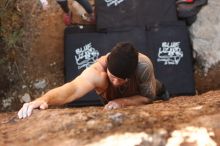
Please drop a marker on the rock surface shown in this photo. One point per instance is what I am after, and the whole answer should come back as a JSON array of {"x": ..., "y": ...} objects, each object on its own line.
[
  {"x": 185, "y": 120},
  {"x": 205, "y": 34},
  {"x": 40, "y": 57}
]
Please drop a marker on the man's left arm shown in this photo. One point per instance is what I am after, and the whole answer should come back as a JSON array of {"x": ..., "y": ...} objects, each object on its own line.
[{"x": 127, "y": 101}]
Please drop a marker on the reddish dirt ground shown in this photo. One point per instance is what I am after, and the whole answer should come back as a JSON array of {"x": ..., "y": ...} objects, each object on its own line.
[
  {"x": 43, "y": 59},
  {"x": 80, "y": 126}
]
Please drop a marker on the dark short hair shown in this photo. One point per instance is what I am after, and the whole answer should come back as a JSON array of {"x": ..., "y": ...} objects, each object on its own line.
[{"x": 122, "y": 61}]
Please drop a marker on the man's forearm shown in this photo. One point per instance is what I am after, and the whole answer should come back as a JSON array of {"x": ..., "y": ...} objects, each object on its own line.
[
  {"x": 59, "y": 95},
  {"x": 133, "y": 100}
]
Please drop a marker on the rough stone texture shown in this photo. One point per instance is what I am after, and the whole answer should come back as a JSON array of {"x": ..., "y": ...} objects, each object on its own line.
[
  {"x": 205, "y": 33},
  {"x": 149, "y": 125},
  {"x": 40, "y": 84},
  {"x": 41, "y": 55},
  {"x": 39, "y": 62},
  {"x": 26, "y": 98},
  {"x": 209, "y": 80},
  {"x": 159, "y": 124}
]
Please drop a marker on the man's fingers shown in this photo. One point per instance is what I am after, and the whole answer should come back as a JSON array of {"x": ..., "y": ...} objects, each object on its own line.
[
  {"x": 43, "y": 106},
  {"x": 112, "y": 105},
  {"x": 24, "y": 111},
  {"x": 115, "y": 105},
  {"x": 30, "y": 109},
  {"x": 108, "y": 107},
  {"x": 33, "y": 105},
  {"x": 27, "y": 108},
  {"x": 20, "y": 113}
]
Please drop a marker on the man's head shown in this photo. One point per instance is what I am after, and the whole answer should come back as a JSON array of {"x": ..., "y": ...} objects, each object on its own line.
[{"x": 122, "y": 61}]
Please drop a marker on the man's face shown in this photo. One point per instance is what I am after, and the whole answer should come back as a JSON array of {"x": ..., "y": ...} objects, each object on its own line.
[{"x": 115, "y": 80}]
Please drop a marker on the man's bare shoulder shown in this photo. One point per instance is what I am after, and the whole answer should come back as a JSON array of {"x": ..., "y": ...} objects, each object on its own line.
[{"x": 95, "y": 74}]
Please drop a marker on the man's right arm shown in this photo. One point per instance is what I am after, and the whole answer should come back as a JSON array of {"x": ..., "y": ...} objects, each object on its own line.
[{"x": 63, "y": 94}]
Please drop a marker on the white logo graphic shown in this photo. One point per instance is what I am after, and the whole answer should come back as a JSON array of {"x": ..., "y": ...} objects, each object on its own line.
[
  {"x": 170, "y": 53},
  {"x": 113, "y": 2},
  {"x": 86, "y": 55}
]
